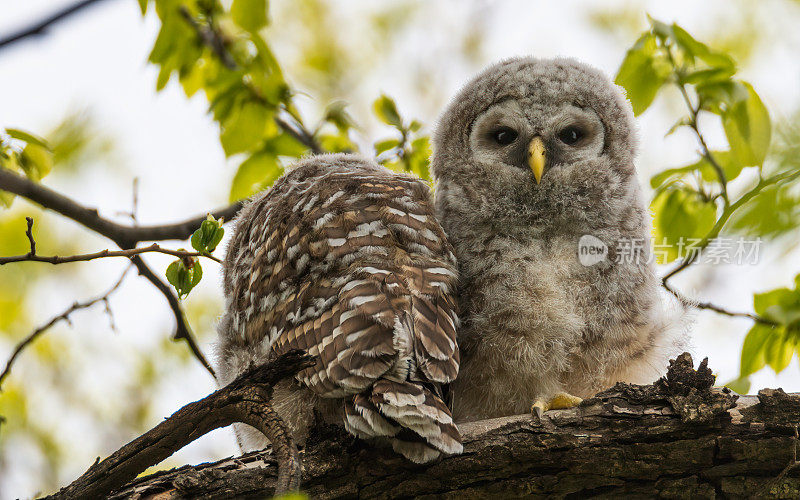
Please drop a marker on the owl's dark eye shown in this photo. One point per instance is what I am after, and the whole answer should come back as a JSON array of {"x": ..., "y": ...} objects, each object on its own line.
[
  {"x": 571, "y": 135},
  {"x": 504, "y": 135}
]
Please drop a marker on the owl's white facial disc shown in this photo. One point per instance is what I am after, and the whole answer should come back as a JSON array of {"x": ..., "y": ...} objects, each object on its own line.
[{"x": 502, "y": 136}]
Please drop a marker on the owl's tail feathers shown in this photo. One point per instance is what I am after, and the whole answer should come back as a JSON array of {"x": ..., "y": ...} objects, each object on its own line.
[{"x": 415, "y": 420}]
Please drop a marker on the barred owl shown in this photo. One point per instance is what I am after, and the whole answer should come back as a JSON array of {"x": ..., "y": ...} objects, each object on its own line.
[
  {"x": 344, "y": 259},
  {"x": 531, "y": 156}
]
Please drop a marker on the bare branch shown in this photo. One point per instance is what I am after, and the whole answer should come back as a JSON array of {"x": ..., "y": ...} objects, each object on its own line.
[
  {"x": 123, "y": 235},
  {"x": 40, "y": 28},
  {"x": 182, "y": 329},
  {"x": 29, "y": 234},
  {"x": 686, "y": 301},
  {"x": 64, "y": 316},
  {"x": 246, "y": 399},
  {"x": 55, "y": 259}
]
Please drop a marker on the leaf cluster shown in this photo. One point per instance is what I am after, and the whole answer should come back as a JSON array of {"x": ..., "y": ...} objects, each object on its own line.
[{"x": 693, "y": 201}]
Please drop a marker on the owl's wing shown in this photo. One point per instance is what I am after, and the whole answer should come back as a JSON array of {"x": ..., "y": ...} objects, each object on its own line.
[{"x": 354, "y": 268}]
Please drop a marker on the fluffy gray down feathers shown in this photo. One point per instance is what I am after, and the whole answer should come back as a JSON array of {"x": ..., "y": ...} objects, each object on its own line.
[{"x": 348, "y": 261}]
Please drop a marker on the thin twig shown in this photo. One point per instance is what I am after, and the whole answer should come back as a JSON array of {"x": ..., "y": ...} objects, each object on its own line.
[
  {"x": 694, "y": 112},
  {"x": 125, "y": 237},
  {"x": 153, "y": 248},
  {"x": 718, "y": 309},
  {"x": 182, "y": 329},
  {"x": 301, "y": 134},
  {"x": 40, "y": 27},
  {"x": 134, "y": 204},
  {"x": 713, "y": 233},
  {"x": 29, "y": 234},
  {"x": 211, "y": 37},
  {"x": 64, "y": 316}
]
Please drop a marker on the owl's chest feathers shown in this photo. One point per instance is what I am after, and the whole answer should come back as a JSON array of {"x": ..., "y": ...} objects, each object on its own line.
[{"x": 533, "y": 313}]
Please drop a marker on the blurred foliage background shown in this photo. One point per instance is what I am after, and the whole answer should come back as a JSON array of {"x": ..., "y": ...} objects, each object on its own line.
[{"x": 206, "y": 102}]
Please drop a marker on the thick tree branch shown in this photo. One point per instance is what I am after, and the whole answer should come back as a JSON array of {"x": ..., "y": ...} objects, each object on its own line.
[
  {"x": 64, "y": 316},
  {"x": 40, "y": 27},
  {"x": 677, "y": 438},
  {"x": 246, "y": 400},
  {"x": 123, "y": 235}
]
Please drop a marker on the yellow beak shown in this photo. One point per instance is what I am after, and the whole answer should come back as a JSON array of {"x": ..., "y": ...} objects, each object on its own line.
[{"x": 536, "y": 157}]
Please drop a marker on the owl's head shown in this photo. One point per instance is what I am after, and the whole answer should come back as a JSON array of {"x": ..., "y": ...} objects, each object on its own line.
[{"x": 531, "y": 137}]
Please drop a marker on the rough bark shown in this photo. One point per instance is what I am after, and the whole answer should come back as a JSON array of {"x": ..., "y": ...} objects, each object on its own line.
[
  {"x": 246, "y": 399},
  {"x": 677, "y": 438}
]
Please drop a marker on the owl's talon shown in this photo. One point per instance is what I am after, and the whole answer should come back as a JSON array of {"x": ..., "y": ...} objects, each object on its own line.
[
  {"x": 559, "y": 401},
  {"x": 539, "y": 407}
]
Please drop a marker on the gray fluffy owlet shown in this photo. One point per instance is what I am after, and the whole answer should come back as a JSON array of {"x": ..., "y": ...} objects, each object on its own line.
[
  {"x": 344, "y": 259},
  {"x": 529, "y": 157}
]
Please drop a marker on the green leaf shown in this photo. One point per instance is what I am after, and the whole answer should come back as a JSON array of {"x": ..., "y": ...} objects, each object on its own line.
[
  {"x": 768, "y": 345},
  {"x": 774, "y": 212},
  {"x": 26, "y": 137},
  {"x": 740, "y": 385},
  {"x": 195, "y": 275},
  {"x": 696, "y": 49},
  {"x": 36, "y": 161},
  {"x": 337, "y": 143},
  {"x": 730, "y": 167},
  {"x": 670, "y": 175},
  {"x": 753, "y": 349},
  {"x": 680, "y": 215},
  {"x": 6, "y": 199},
  {"x": 720, "y": 96},
  {"x": 707, "y": 76},
  {"x": 143, "y": 6},
  {"x": 285, "y": 145},
  {"x": 781, "y": 305},
  {"x": 183, "y": 279},
  {"x": 244, "y": 128},
  {"x": 336, "y": 113},
  {"x": 748, "y": 129},
  {"x": 642, "y": 73},
  {"x": 778, "y": 350},
  {"x": 418, "y": 159},
  {"x": 386, "y": 145},
  {"x": 386, "y": 110},
  {"x": 207, "y": 237},
  {"x": 249, "y": 14},
  {"x": 660, "y": 29},
  {"x": 254, "y": 174}
]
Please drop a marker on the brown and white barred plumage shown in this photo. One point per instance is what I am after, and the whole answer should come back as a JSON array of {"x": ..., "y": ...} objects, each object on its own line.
[{"x": 344, "y": 259}]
